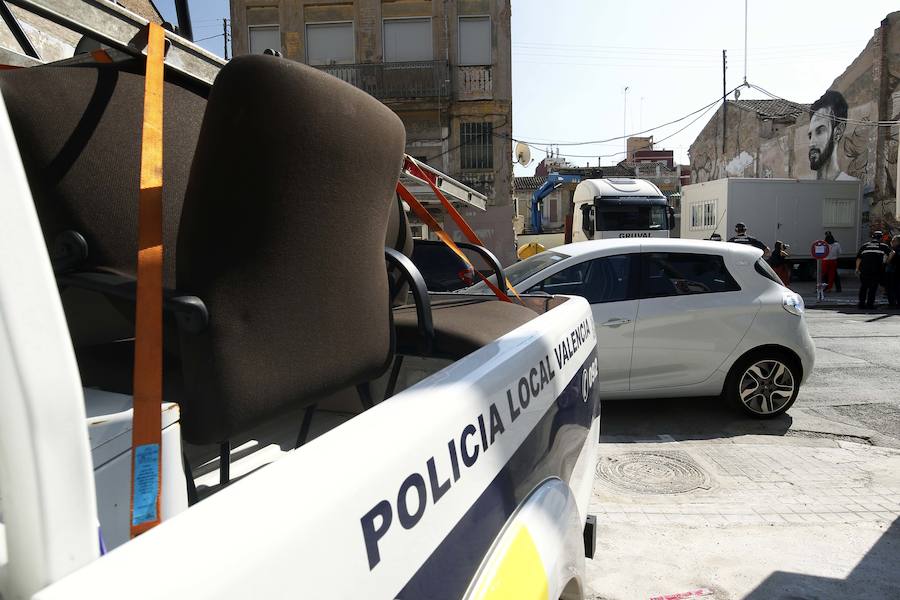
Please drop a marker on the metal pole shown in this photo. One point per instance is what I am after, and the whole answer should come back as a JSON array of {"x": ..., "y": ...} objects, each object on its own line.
[
  {"x": 820, "y": 294},
  {"x": 724, "y": 103},
  {"x": 225, "y": 36},
  {"x": 183, "y": 14}
]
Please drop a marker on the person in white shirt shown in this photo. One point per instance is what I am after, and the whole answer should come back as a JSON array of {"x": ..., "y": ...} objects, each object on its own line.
[{"x": 830, "y": 263}]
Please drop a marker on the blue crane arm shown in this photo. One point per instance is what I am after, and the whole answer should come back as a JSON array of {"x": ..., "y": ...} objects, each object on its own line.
[
  {"x": 538, "y": 195},
  {"x": 554, "y": 180}
]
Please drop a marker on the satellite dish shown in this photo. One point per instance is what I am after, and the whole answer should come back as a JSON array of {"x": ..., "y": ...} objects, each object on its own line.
[{"x": 523, "y": 154}]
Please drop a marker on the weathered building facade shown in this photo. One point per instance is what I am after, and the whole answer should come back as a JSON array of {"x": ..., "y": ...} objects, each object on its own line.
[
  {"x": 777, "y": 138},
  {"x": 443, "y": 66}
]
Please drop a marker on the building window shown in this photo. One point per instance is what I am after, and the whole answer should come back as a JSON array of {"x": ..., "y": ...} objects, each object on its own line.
[
  {"x": 474, "y": 41},
  {"x": 263, "y": 37},
  {"x": 476, "y": 145},
  {"x": 837, "y": 212},
  {"x": 419, "y": 231},
  {"x": 703, "y": 215},
  {"x": 553, "y": 208},
  {"x": 407, "y": 40},
  {"x": 330, "y": 43}
]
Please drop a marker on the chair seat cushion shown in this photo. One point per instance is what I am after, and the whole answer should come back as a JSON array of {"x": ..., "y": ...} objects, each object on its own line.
[{"x": 461, "y": 326}]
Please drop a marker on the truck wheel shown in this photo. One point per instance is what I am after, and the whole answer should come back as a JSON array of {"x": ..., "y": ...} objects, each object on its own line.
[{"x": 763, "y": 384}]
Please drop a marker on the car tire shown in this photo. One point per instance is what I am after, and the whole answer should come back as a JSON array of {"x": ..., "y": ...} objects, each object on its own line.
[{"x": 763, "y": 384}]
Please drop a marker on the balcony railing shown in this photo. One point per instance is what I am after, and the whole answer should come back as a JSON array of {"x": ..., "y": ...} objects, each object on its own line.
[
  {"x": 396, "y": 80},
  {"x": 475, "y": 83}
]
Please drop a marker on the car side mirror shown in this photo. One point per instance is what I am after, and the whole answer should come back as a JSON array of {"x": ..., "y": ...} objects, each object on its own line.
[
  {"x": 671, "y": 213},
  {"x": 587, "y": 220}
]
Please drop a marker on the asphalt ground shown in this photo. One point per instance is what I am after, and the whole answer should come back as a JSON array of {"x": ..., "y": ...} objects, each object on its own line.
[{"x": 695, "y": 500}]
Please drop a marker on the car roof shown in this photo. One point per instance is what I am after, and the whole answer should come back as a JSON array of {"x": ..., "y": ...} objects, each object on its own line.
[{"x": 735, "y": 251}]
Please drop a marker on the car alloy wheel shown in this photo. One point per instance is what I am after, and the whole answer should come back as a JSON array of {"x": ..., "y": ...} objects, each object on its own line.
[{"x": 766, "y": 387}]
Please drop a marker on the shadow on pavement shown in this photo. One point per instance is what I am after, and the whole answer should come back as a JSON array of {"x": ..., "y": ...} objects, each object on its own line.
[
  {"x": 682, "y": 419},
  {"x": 875, "y": 576}
]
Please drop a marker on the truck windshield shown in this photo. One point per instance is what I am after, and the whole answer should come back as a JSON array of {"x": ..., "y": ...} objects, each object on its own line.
[{"x": 630, "y": 217}]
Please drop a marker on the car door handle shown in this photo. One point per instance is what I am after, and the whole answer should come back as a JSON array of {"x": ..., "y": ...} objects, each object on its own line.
[{"x": 615, "y": 322}]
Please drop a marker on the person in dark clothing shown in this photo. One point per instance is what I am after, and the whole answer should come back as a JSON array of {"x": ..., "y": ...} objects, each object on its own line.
[
  {"x": 778, "y": 262},
  {"x": 869, "y": 266},
  {"x": 892, "y": 270},
  {"x": 741, "y": 237}
]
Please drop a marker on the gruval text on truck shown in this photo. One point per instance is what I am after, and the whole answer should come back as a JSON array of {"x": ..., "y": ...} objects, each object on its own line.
[
  {"x": 620, "y": 208},
  {"x": 221, "y": 375}
]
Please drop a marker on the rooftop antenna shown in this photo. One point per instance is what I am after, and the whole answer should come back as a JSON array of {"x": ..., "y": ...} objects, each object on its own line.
[
  {"x": 745, "y": 42},
  {"x": 625, "y": 121}
]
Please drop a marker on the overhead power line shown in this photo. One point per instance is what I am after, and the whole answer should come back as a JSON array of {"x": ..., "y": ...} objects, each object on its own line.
[
  {"x": 627, "y": 135},
  {"x": 807, "y": 109},
  {"x": 645, "y": 147},
  {"x": 670, "y": 49},
  {"x": 209, "y": 37}
]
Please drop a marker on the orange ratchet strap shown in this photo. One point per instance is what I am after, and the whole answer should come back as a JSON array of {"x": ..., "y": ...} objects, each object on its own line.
[
  {"x": 454, "y": 214},
  {"x": 146, "y": 441},
  {"x": 101, "y": 56},
  {"x": 433, "y": 225}
]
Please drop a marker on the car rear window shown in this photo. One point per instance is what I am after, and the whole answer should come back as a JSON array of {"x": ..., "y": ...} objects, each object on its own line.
[{"x": 681, "y": 273}]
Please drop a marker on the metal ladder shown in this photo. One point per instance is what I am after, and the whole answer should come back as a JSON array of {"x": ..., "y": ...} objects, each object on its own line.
[{"x": 111, "y": 25}]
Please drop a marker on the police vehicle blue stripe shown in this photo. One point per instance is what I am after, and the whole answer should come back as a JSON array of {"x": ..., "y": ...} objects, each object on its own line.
[{"x": 451, "y": 567}]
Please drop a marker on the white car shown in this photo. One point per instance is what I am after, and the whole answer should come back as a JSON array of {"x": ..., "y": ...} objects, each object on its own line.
[{"x": 678, "y": 318}]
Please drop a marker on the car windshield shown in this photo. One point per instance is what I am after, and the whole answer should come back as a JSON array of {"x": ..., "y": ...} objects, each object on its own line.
[
  {"x": 630, "y": 217},
  {"x": 522, "y": 270}
]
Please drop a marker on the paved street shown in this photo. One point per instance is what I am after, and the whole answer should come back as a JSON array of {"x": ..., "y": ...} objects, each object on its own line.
[{"x": 693, "y": 499}]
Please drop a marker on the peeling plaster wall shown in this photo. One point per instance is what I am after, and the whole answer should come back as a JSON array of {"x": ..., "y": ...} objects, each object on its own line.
[{"x": 759, "y": 147}]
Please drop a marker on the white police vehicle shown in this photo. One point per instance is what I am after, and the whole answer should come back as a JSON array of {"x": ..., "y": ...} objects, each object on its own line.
[{"x": 313, "y": 440}]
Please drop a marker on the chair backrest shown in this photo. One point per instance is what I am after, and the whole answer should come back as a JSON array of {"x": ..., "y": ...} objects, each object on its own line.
[
  {"x": 79, "y": 130},
  {"x": 282, "y": 235}
]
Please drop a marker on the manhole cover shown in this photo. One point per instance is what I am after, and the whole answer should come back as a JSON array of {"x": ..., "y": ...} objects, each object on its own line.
[{"x": 653, "y": 472}]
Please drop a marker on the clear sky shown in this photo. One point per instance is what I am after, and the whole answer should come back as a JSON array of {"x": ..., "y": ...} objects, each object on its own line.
[
  {"x": 206, "y": 17},
  {"x": 572, "y": 60}
]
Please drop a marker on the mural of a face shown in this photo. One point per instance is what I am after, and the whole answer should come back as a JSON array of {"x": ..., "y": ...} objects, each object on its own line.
[
  {"x": 826, "y": 128},
  {"x": 821, "y": 138}
]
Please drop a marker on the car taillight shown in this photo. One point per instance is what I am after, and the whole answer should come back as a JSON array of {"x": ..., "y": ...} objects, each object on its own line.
[{"x": 467, "y": 276}]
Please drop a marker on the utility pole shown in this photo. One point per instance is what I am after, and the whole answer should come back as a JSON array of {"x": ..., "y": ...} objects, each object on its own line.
[
  {"x": 724, "y": 104},
  {"x": 625, "y": 122},
  {"x": 225, "y": 36}
]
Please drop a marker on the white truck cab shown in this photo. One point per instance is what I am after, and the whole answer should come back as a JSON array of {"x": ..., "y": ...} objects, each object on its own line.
[{"x": 620, "y": 208}]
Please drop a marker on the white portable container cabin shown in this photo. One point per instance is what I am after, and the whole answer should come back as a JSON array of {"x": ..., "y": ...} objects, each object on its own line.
[{"x": 795, "y": 211}]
